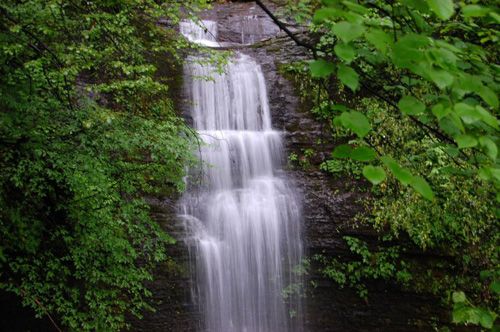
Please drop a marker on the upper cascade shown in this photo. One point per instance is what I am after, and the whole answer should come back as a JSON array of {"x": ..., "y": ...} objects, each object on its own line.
[
  {"x": 232, "y": 32},
  {"x": 203, "y": 32},
  {"x": 252, "y": 29},
  {"x": 216, "y": 99}
]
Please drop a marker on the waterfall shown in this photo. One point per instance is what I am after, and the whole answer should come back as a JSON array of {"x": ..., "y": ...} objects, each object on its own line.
[
  {"x": 250, "y": 27},
  {"x": 202, "y": 32},
  {"x": 241, "y": 215}
]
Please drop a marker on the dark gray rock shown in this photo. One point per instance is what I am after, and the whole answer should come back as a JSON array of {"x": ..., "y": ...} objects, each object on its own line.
[
  {"x": 242, "y": 23},
  {"x": 171, "y": 288}
]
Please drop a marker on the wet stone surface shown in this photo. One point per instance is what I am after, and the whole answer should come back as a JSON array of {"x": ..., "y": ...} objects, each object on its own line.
[{"x": 241, "y": 23}]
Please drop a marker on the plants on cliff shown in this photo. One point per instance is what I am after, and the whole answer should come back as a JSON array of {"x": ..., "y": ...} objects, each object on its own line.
[
  {"x": 383, "y": 263},
  {"x": 87, "y": 129},
  {"x": 418, "y": 106},
  {"x": 466, "y": 312},
  {"x": 302, "y": 160}
]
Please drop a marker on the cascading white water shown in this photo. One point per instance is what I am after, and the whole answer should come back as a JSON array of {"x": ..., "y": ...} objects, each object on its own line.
[
  {"x": 203, "y": 32},
  {"x": 249, "y": 28},
  {"x": 243, "y": 219}
]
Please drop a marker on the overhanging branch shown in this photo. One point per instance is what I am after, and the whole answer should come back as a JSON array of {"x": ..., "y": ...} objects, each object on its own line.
[{"x": 283, "y": 27}]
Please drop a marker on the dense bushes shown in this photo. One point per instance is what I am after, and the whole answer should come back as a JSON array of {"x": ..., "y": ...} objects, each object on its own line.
[
  {"x": 86, "y": 130},
  {"x": 413, "y": 87}
]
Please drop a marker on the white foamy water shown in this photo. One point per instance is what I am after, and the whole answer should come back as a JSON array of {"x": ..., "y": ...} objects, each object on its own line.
[
  {"x": 202, "y": 32},
  {"x": 243, "y": 218}
]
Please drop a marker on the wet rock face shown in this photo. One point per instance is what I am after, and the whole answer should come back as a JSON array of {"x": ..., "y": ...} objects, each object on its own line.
[
  {"x": 241, "y": 23},
  {"x": 171, "y": 288},
  {"x": 329, "y": 206}
]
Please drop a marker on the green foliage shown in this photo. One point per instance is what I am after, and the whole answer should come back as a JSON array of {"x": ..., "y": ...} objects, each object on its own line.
[
  {"x": 466, "y": 312},
  {"x": 87, "y": 129},
  {"x": 384, "y": 264},
  {"x": 374, "y": 174},
  {"x": 411, "y": 106},
  {"x": 321, "y": 68},
  {"x": 302, "y": 160},
  {"x": 442, "y": 72},
  {"x": 442, "y": 8},
  {"x": 363, "y": 153},
  {"x": 355, "y": 121},
  {"x": 348, "y": 76},
  {"x": 421, "y": 95},
  {"x": 345, "y": 51}
]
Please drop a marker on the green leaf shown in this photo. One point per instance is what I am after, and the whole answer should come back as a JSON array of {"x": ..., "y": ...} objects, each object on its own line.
[
  {"x": 363, "y": 153},
  {"x": 489, "y": 146},
  {"x": 339, "y": 107},
  {"x": 495, "y": 286},
  {"x": 355, "y": 7},
  {"x": 474, "y": 11},
  {"x": 485, "y": 173},
  {"x": 465, "y": 141},
  {"x": 321, "y": 68},
  {"x": 440, "y": 111},
  {"x": 495, "y": 16},
  {"x": 458, "y": 297},
  {"x": 381, "y": 40},
  {"x": 487, "y": 117},
  {"x": 342, "y": 151},
  {"x": 409, "y": 50},
  {"x": 469, "y": 82},
  {"x": 348, "y": 76},
  {"x": 420, "y": 5},
  {"x": 474, "y": 315},
  {"x": 495, "y": 172},
  {"x": 451, "y": 124},
  {"x": 347, "y": 31},
  {"x": 485, "y": 274},
  {"x": 337, "y": 121},
  {"x": 324, "y": 14},
  {"x": 444, "y": 9},
  {"x": 357, "y": 122},
  {"x": 467, "y": 113},
  {"x": 422, "y": 187},
  {"x": 489, "y": 96},
  {"x": 452, "y": 150},
  {"x": 403, "y": 175},
  {"x": 411, "y": 106},
  {"x": 460, "y": 313},
  {"x": 441, "y": 78},
  {"x": 374, "y": 174},
  {"x": 457, "y": 121},
  {"x": 486, "y": 318},
  {"x": 345, "y": 51}
]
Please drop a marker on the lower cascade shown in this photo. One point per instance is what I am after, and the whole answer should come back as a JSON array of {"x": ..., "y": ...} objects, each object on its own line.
[{"x": 241, "y": 213}]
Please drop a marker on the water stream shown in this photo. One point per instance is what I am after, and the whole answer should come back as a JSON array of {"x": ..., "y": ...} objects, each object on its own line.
[{"x": 242, "y": 215}]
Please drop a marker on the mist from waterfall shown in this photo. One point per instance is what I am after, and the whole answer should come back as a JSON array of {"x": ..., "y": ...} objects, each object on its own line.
[{"x": 241, "y": 214}]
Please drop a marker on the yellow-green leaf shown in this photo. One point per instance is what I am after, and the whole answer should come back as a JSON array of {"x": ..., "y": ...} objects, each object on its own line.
[
  {"x": 422, "y": 187},
  {"x": 321, "y": 68},
  {"x": 444, "y": 9},
  {"x": 348, "y": 76},
  {"x": 374, "y": 174}
]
